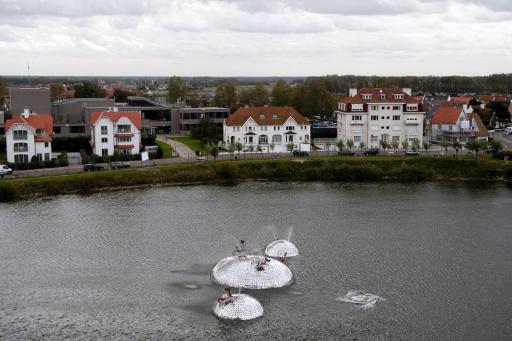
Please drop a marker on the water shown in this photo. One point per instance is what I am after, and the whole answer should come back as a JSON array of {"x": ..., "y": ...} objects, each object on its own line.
[{"x": 136, "y": 264}]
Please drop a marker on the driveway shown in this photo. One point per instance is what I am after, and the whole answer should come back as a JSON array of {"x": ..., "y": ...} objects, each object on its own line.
[
  {"x": 183, "y": 151},
  {"x": 506, "y": 140}
]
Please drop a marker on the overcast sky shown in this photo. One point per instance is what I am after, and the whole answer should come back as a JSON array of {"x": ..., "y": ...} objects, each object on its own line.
[{"x": 255, "y": 37}]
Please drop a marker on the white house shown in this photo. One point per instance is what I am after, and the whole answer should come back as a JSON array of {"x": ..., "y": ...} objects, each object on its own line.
[
  {"x": 371, "y": 115},
  {"x": 272, "y": 128},
  {"x": 28, "y": 135},
  {"x": 115, "y": 130},
  {"x": 455, "y": 124}
]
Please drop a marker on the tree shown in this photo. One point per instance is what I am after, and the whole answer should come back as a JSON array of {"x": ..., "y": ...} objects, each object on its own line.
[
  {"x": 289, "y": 147},
  {"x": 328, "y": 147},
  {"x": 121, "y": 95},
  {"x": 57, "y": 91},
  {"x": 476, "y": 146},
  {"x": 177, "y": 89},
  {"x": 405, "y": 144},
  {"x": 384, "y": 145},
  {"x": 206, "y": 132},
  {"x": 415, "y": 145},
  {"x": 457, "y": 146},
  {"x": 251, "y": 148},
  {"x": 214, "y": 150},
  {"x": 254, "y": 96},
  {"x": 231, "y": 150},
  {"x": 496, "y": 146},
  {"x": 116, "y": 155},
  {"x": 226, "y": 96},
  {"x": 445, "y": 145},
  {"x": 426, "y": 146},
  {"x": 272, "y": 146},
  {"x": 340, "y": 144},
  {"x": 89, "y": 90},
  {"x": 362, "y": 145},
  {"x": 350, "y": 144},
  {"x": 194, "y": 101},
  {"x": 3, "y": 93},
  {"x": 282, "y": 94},
  {"x": 239, "y": 146},
  {"x": 395, "y": 145},
  {"x": 259, "y": 149}
]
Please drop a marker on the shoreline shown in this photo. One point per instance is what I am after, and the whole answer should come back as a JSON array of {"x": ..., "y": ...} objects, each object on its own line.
[{"x": 333, "y": 169}]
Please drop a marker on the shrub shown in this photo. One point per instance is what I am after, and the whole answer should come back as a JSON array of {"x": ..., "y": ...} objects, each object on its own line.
[{"x": 8, "y": 192}]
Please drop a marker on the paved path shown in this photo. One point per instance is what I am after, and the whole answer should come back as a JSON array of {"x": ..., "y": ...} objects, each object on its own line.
[
  {"x": 183, "y": 151},
  {"x": 506, "y": 140}
]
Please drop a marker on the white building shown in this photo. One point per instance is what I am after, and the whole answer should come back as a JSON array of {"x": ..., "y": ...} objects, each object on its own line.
[
  {"x": 115, "y": 130},
  {"x": 28, "y": 135},
  {"x": 272, "y": 128},
  {"x": 455, "y": 124},
  {"x": 370, "y": 115}
]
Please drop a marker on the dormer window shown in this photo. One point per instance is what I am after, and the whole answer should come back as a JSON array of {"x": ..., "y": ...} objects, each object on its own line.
[
  {"x": 366, "y": 96},
  {"x": 274, "y": 116},
  {"x": 398, "y": 96},
  {"x": 262, "y": 116},
  {"x": 382, "y": 96}
]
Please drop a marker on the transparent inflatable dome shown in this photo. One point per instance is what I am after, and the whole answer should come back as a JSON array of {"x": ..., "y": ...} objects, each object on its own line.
[
  {"x": 281, "y": 248},
  {"x": 251, "y": 272},
  {"x": 238, "y": 307}
]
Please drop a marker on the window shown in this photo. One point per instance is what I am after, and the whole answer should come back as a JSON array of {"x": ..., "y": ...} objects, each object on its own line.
[
  {"x": 438, "y": 126},
  {"x": 387, "y": 118},
  {"x": 395, "y": 138},
  {"x": 41, "y": 133},
  {"x": 39, "y": 156},
  {"x": 262, "y": 116},
  {"x": 263, "y": 139},
  {"x": 78, "y": 130},
  {"x": 382, "y": 117},
  {"x": 385, "y": 137},
  {"x": 20, "y": 135},
  {"x": 387, "y": 127},
  {"x": 357, "y": 138},
  {"x": 357, "y": 118},
  {"x": 396, "y": 107},
  {"x": 396, "y": 117},
  {"x": 104, "y": 152},
  {"x": 46, "y": 144},
  {"x": 388, "y": 108},
  {"x": 21, "y": 147},
  {"x": 124, "y": 139},
  {"x": 413, "y": 107},
  {"x": 374, "y": 107},
  {"x": 450, "y": 127},
  {"x": 104, "y": 140},
  {"x": 374, "y": 117},
  {"x": 289, "y": 138},
  {"x": 250, "y": 139},
  {"x": 104, "y": 130},
  {"x": 46, "y": 156},
  {"x": 374, "y": 138},
  {"x": 290, "y": 128},
  {"x": 276, "y": 139},
  {"x": 20, "y": 158},
  {"x": 56, "y": 130},
  {"x": 274, "y": 116},
  {"x": 125, "y": 128},
  {"x": 366, "y": 96}
]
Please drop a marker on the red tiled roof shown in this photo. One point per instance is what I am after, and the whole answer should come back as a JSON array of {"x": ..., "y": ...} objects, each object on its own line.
[
  {"x": 114, "y": 116},
  {"x": 482, "y": 129},
  {"x": 265, "y": 116},
  {"x": 460, "y": 100},
  {"x": 445, "y": 115},
  {"x": 376, "y": 98},
  {"x": 35, "y": 121}
]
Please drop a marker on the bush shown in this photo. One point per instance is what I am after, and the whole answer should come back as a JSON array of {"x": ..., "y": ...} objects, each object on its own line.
[
  {"x": 8, "y": 192},
  {"x": 501, "y": 155}
]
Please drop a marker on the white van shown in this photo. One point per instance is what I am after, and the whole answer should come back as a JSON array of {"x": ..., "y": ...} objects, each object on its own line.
[{"x": 508, "y": 130}]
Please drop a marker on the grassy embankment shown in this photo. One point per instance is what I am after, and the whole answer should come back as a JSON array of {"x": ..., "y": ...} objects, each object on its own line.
[
  {"x": 167, "y": 149},
  {"x": 321, "y": 169},
  {"x": 190, "y": 142}
]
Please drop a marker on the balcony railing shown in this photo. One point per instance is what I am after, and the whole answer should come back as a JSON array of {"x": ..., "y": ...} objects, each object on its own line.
[
  {"x": 357, "y": 122},
  {"x": 19, "y": 137},
  {"x": 20, "y": 149},
  {"x": 45, "y": 134}
]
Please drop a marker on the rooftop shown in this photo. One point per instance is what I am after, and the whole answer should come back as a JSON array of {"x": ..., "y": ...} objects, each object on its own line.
[{"x": 265, "y": 116}]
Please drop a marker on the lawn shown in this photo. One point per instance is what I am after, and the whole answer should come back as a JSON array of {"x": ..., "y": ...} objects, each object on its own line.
[
  {"x": 166, "y": 149},
  {"x": 190, "y": 142}
]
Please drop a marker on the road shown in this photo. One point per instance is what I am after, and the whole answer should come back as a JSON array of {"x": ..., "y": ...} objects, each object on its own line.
[{"x": 506, "y": 140}]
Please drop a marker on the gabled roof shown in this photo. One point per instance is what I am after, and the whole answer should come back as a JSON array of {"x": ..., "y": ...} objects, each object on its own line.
[
  {"x": 482, "y": 129},
  {"x": 114, "y": 116},
  {"x": 265, "y": 116},
  {"x": 35, "y": 121},
  {"x": 445, "y": 115},
  {"x": 460, "y": 100}
]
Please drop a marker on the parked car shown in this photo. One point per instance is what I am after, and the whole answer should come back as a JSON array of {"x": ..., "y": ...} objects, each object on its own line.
[
  {"x": 411, "y": 152},
  {"x": 4, "y": 170},
  {"x": 119, "y": 164},
  {"x": 371, "y": 151},
  {"x": 508, "y": 130},
  {"x": 201, "y": 158},
  {"x": 346, "y": 152},
  {"x": 88, "y": 167},
  {"x": 300, "y": 153}
]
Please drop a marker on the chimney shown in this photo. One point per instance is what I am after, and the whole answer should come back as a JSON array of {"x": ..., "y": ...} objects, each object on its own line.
[
  {"x": 408, "y": 91},
  {"x": 26, "y": 113},
  {"x": 352, "y": 92},
  {"x": 116, "y": 109}
]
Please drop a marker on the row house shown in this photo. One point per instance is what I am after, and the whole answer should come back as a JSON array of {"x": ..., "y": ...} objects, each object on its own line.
[
  {"x": 116, "y": 130},
  {"x": 272, "y": 128},
  {"x": 372, "y": 115},
  {"x": 455, "y": 124},
  {"x": 28, "y": 135}
]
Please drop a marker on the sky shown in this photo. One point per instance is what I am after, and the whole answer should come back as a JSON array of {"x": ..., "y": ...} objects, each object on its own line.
[{"x": 255, "y": 37}]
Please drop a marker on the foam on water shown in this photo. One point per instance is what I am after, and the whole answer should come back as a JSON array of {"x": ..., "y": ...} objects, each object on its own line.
[{"x": 360, "y": 298}]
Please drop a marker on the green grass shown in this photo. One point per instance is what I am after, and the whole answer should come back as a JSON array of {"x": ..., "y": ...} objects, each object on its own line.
[
  {"x": 190, "y": 142},
  {"x": 166, "y": 149},
  {"x": 311, "y": 169},
  {"x": 3, "y": 157}
]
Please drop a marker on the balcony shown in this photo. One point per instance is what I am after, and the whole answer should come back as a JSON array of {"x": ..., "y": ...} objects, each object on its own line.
[
  {"x": 409, "y": 121},
  {"x": 357, "y": 122},
  {"x": 19, "y": 137},
  {"x": 21, "y": 149}
]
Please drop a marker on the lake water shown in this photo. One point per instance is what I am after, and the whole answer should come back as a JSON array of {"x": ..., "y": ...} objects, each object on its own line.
[{"x": 135, "y": 264}]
